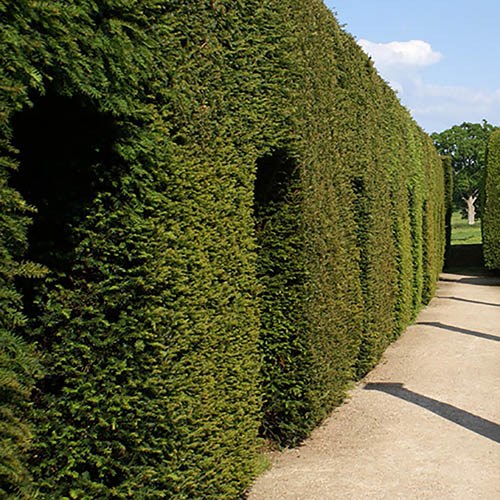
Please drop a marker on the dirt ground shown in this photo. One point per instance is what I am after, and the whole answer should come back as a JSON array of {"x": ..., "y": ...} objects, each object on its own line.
[{"x": 423, "y": 424}]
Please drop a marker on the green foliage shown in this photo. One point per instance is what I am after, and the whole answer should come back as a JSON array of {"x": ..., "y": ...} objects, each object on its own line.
[
  {"x": 18, "y": 364},
  {"x": 448, "y": 188},
  {"x": 434, "y": 220},
  {"x": 148, "y": 338},
  {"x": 282, "y": 274},
  {"x": 466, "y": 145},
  {"x": 346, "y": 271},
  {"x": 237, "y": 216},
  {"x": 491, "y": 216},
  {"x": 18, "y": 367}
]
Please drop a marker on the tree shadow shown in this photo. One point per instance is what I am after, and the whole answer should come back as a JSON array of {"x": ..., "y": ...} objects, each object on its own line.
[
  {"x": 464, "y": 256},
  {"x": 476, "y": 424},
  {"x": 437, "y": 324},
  {"x": 483, "y": 280},
  {"x": 469, "y": 300}
]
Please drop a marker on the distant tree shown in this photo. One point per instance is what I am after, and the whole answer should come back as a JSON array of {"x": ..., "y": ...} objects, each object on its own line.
[{"x": 466, "y": 145}]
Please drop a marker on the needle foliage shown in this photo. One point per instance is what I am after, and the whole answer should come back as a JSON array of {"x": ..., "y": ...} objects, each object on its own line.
[
  {"x": 215, "y": 215},
  {"x": 491, "y": 215}
]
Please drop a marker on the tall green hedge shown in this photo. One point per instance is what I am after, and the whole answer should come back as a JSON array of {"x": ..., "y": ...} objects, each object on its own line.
[
  {"x": 491, "y": 214},
  {"x": 147, "y": 323},
  {"x": 348, "y": 256},
  {"x": 237, "y": 217},
  {"x": 448, "y": 185}
]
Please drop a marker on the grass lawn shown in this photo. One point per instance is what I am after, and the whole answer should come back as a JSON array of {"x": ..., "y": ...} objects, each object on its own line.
[{"x": 462, "y": 233}]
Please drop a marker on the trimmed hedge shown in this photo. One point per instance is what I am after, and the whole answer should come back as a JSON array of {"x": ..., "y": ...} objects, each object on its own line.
[
  {"x": 147, "y": 322},
  {"x": 491, "y": 214},
  {"x": 237, "y": 217},
  {"x": 19, "y": 365},
  {"x": 448, "y": 186}
]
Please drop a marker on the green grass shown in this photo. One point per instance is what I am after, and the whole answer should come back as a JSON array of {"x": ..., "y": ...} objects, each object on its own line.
[{"x": 462, "y": 233}]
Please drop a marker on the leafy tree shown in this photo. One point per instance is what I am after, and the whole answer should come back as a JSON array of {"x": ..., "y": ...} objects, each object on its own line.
[{"x": 466, "y": 146}]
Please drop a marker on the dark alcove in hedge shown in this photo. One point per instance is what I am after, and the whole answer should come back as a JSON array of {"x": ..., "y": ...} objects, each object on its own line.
[
  {"x": 275, "y": 174},
  {"x": 281, "y": 275},
  {"x": 63, "y": 146}
]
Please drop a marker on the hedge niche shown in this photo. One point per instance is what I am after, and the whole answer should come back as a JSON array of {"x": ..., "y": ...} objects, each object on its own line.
[
  {"x": 215, "y": 216},
  {"x": 491, "y": 215},
  {"x": 281, "y": 272}
]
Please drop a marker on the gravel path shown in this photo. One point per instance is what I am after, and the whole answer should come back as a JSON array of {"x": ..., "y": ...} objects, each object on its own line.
[{"x": 423, "y": 424}]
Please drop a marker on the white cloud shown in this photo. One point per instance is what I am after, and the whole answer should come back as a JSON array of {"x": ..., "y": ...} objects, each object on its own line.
[
  {"x": 412, "y": 53},
  {"x": 435, "y": 107}
]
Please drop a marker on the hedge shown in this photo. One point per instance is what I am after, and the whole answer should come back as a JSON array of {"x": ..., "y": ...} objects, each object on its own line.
[
  {"x": 448, "y": 185},
  {"x": 229, "y": 216},
  {"x": 491, "y": 215}
]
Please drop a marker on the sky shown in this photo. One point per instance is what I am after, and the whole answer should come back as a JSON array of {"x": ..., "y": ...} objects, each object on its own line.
[{"x": 441, "y": 56}]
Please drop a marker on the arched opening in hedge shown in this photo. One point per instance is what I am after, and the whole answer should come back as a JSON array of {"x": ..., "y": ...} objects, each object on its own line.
[
  {"x": 63, "y": 146},
  {"x": 276, "y": 172},
  {"x": 275, "y": 201},
  {"x": 65, "y": 149},
  {"x": 280, "y": 268}
]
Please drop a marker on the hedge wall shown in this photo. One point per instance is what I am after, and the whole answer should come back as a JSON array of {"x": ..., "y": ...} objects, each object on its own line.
[
  {"x": 229, "y": 216},
  {"x": 491, "y": 215},
  {"x": 448, "y": 186}
]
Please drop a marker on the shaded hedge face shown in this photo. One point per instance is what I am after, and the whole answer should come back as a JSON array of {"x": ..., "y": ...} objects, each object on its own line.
[
  {"x": 237, "y": 217},
  {"x": 448, "y": 185},
  {"x": 491, "y": 217}
]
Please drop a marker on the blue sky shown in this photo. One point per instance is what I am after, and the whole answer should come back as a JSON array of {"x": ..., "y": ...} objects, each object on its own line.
[{"x": 446, "y": 64}]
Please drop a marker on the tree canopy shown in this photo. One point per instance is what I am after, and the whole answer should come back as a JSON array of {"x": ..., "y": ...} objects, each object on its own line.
[{"x": 466, "y": 145}]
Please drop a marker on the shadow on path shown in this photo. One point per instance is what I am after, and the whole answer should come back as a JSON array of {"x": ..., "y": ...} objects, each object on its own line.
[
  {"x": 464, "y": 256},
  {"x": 476, "y": 424},
  {"x": 474, "y": 280},
  {"x": 469, "y": 300},
  {"x": 481, "y": 335}
]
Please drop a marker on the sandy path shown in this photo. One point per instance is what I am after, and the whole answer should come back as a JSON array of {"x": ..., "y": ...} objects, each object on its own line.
[{"x": 423, "y": 424}]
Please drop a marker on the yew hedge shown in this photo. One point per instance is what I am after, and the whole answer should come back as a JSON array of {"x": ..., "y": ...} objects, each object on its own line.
[
  {"x": 215, "y": 215},
  {"x": 491, "y": 214}
]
